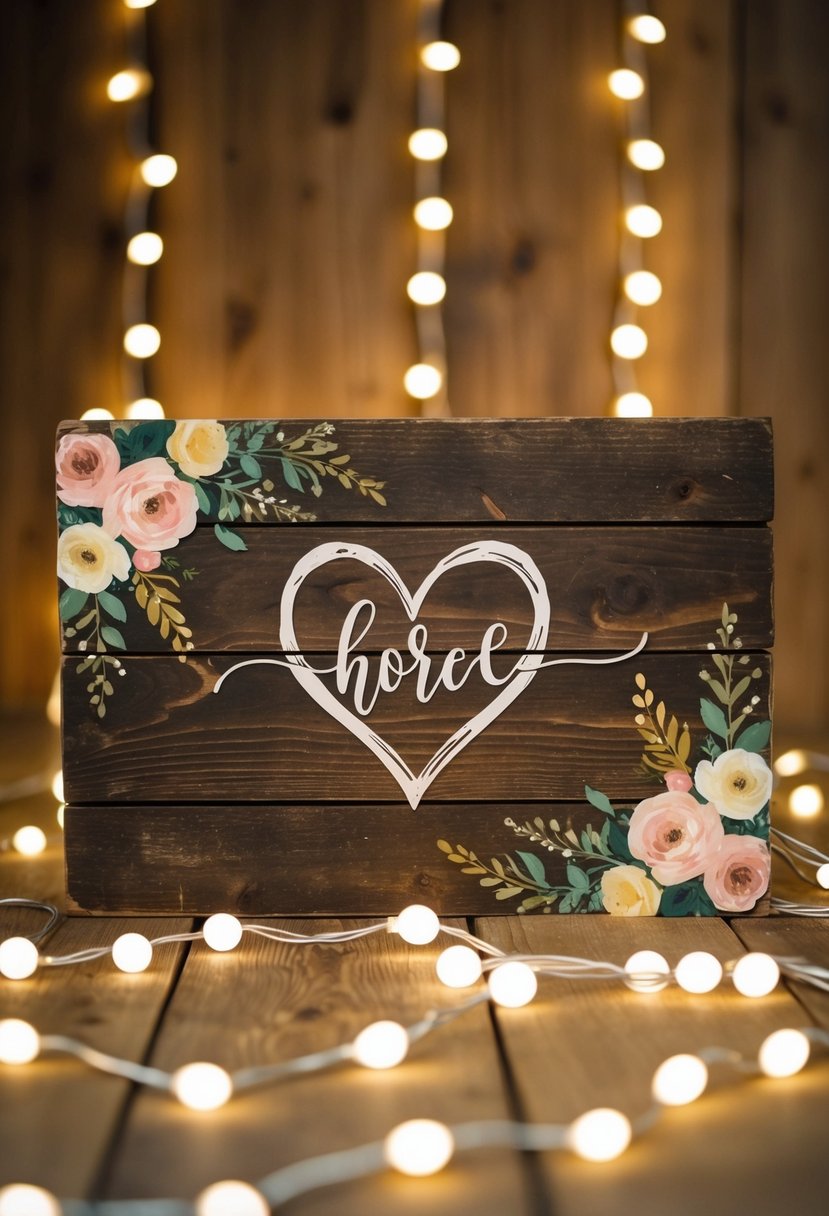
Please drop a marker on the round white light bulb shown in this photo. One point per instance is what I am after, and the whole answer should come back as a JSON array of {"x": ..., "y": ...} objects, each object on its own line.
[
  {"x": 458, "y": 967},
  {"x": 600, "y": 1135},
  {"x": 381, "y": 1045},
  {"x": 19, "y": 1042},
  {"x": 755, "y": 974},
  {"x": 791, "y": 763},
  {"x": 646, "y": 154},
  {"x": 132, "y": 952},
  {"x": 57, "y": 786},
  {"x": 417, "y": 925},
  {"x": 132, "y": 82},
  {"x": 642, "y": 287},
  {"x": 629, "y": 341},
  {"x": 426, "y": 287},
  {"x": 433, "y": 214},
  {"x": 231, "y": 1198},
  {"x": 139, "y": 3},
  {"x": 96, "y": 414},
  {"x": 419, "y": 1147},
  {"x": 647, "y": 971},
  {"x": 20, "y": 1199},
  {"x": 201, "y": 1086},
  {"x": 18, "y": 958},
  {"x": 422, "y": 381},
  {"x": 806, "y": 801},
  {"x": 626, "y": 84},
  {"x": 679, "y": 1080},
  {"x": 784, "y": 1053},
  {"x": 698, "y": 972},
  {"x": 643, "y": 220},
  {"x": 29, "y": 840},
  {"x": 222, "y": 931},
  {"x": 440, "y": 56},
  {"x": 632, "y": 405},
  {"x": 141, "y": 341},
  {"x": 145, "y": 407},
  {"x": 145, "y": 248},
  {"x": 60, "y": 814},
  {"x": 428, "y": 143},
  {"x": 512, "y": 985},
  {"x": 822, "y": 876},
  {"x": 158, "y": 169},
  {"x": 646, "y": 28}
]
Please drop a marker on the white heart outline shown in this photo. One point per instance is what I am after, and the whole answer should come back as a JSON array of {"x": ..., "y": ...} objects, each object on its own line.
[{"x": 414, "y": 786}]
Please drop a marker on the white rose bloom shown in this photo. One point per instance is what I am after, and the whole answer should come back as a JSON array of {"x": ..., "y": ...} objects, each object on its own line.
[
  {"x": 198, "y": 448},
  {"x": 738, "y": 783},
  {"x": 89, "y": 559}
]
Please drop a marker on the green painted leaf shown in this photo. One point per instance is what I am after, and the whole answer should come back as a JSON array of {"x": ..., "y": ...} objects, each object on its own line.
[
  {"x": 599, "y": 800},
  {"x": 617, "y": 843},
  {"x": 71, "y": 603},
  {"x": 291, "y": 476},
  {"x": 146, "y": 439},
  {"x": 202, "y": 498},
  {"x": 535, "y": 868},
  {"x": 713, "y": 717},
  {"x": 577, "y": 878},
  {"x": 112, "y": 637},
  {"x": 230, "y": 540},
  {"x": 250, "y": 465},
  {"x": 112, "y": 606},
  {"x": 755, "y": 737}
]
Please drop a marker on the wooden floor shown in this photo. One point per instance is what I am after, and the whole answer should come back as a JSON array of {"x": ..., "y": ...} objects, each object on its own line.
[{"x": 757, "y": 1146}]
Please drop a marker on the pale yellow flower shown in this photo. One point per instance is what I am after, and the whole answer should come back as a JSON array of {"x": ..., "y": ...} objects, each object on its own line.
[
  {"x": 738, "y": 783},
  {"x": 198, "y": 448},
  {"x": 627, "y": 891},
  {"x": 89, "y": 559}
]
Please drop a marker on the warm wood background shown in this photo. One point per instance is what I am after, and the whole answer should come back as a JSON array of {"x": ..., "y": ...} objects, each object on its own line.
[{"x": 289, "y": 241}]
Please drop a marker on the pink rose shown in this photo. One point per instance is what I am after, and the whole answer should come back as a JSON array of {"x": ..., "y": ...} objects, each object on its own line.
[
  {"x": 146, "y": 560},
  {"x": 675, "y": 835},
  {"x": 86, "y": 466},
  {"x": 739, "y": 873},
  {"x": 149, "y": 506},
  {"x": 678, "y": 780}
]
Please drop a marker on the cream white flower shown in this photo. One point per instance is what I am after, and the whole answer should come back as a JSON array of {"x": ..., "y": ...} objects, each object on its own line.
[
  {"x": 198, "y": 448},
  {"x": 738, "y": 783},
  {"x": 627, "y": 891},
  {"x": 88, "y": 558}
]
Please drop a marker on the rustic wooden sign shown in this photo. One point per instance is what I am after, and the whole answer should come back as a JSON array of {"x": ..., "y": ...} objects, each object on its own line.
[{"x": 495, "y": 666}]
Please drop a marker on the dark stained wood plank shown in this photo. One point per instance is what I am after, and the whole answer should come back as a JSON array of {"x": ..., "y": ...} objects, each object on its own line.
[
  {"x": 270, "y": 1002},
  {"x": 544, "y": 470},
  {"x": 583, "y": 1045},
  {"x": 167, "y": 736},
  {"x": 57, "y": 1117},
  {"x": 606, "y": 586}
]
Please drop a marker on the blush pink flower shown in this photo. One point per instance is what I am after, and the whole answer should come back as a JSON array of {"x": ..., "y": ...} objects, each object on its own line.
[
  {"x": 85, "y": 466},
  {"x": 148, "y": 506},
  {"x": 146, "y": 560},
  {"x": 675, "y": 835},
  {"x": 739, "y": 873}
]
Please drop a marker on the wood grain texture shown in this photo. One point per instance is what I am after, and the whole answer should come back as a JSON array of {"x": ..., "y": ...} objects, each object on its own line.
[
  {"x": 550, "y": 470},
  {"x": 167, "y": 737},
  {"x": 579, "y": 1046},
  {"x": 606, "y": 586},
  {"x": 793, "y": 937},
  {"x": 271, "y": 1002}
]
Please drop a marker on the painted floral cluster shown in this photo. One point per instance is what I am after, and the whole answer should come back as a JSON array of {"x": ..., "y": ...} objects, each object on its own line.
[
  {"x": 127, "y": 499},
  {"x": 697, "y": 848}
]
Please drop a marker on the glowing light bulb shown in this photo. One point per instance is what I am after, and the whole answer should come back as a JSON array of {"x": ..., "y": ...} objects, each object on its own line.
[
  {"x": 632, "y": 405},
  {"x": 222, "y": 931},
  {"x": 139, "y": 3},
  {"x": 806, "y": 801},
  {"x": 440, "y": 56},
  {"x": 426, "y": 287},
  {"x": 29, "y": 840},
  {"x": 53, "y": 704},
  {"x": 784, "y": 1053},
  {"x": 647, "y": 971},
  {"x": 642, "y": 287},
  {"x": 419, "y": 1147},
  {"x": 698, "y": 972},
  {"x": 96, "y": 414},
  {"x": 231, "y": 1198},
  {"x": 201, "y": 1086},
  {"x": 428, "y": 143},
  {"x": 142, "y": 341},
  {"x": 20, "y": 1199},
  {"x": 434, "y": 214},
  {"x": 422, "y": 381},
  {"x": 512, "y": 985},
  {"x": 417, "y": 925},
  {"x": 381, "y": 1045},
  {"x": 629, "y": 341},
  {"x": 646, "y": 154},
  {"x": 19, "y": 1042},
  {"x": 643, "y": 221},
  {"x": 158, "y": 170},
  {"x": 626, "y": 84},
  {"x": 600, "y": 1135},
  {"x": 18, "y": 958},
  {"x": 60, "y": 814},
  {"x": 458, "y": 967},
  {"x": 145, "y": 407},
  {"x": 679, "y": 1080},
  {"x": 132, "y": 952},
  {"x": 57, "y": 786},
  {"x": 645, "y": 28},
  {"x": 132, "y": 82},
  {"x": 791, "y": 763},
  {"x": 755, "y": 974},
  {"x": 145, "y": 248},
  {"x": 822, "y": 876}
]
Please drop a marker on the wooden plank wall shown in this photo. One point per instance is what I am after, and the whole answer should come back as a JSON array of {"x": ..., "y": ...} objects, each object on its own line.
[{"x": 288, "y": 241}]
